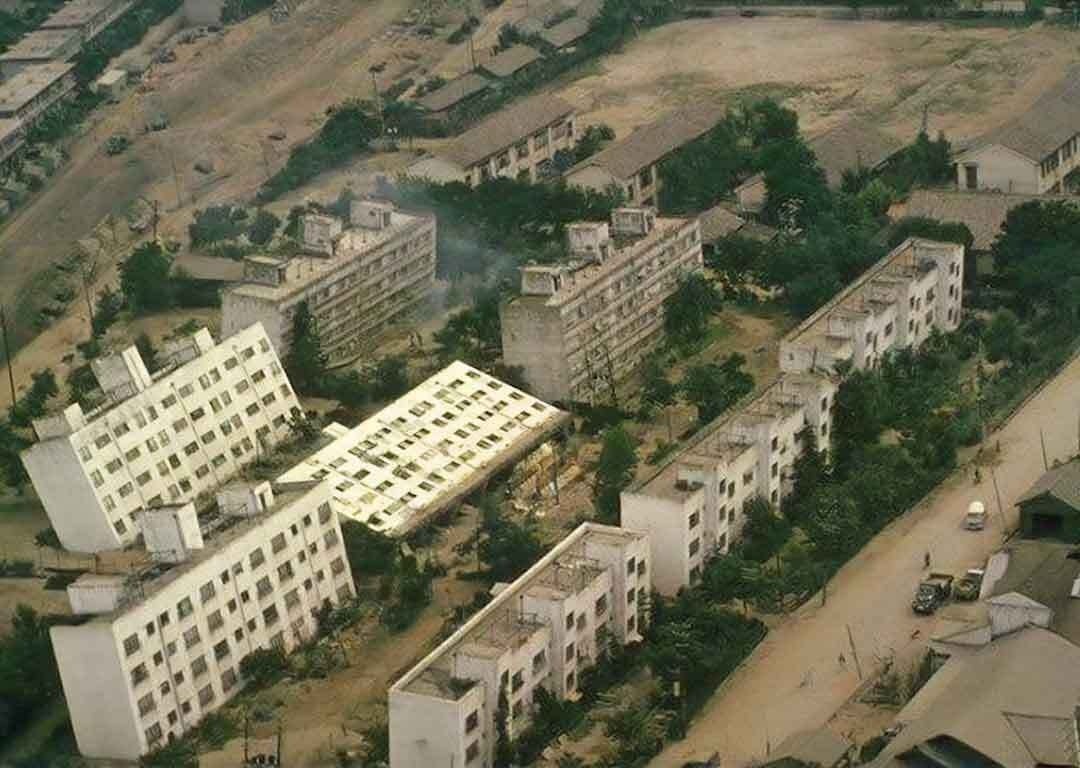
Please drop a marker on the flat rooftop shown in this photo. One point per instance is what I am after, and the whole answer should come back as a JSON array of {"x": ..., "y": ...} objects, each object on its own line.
[
  {"x": 41, "y": 45},
  {"x": 429, "y": 448},
  {"x": 20, "y": 90},
  {"x": 76, "y": 13},
  {"x": 500, "y": 625},
  {"x": 303, "y": 270}
]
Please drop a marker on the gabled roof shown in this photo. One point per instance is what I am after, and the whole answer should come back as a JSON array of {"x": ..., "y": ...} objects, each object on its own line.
[
  {"x": 566, "y": 32},
  {"x": 458, "y": 89},
  {"x": 1045, "y": 126},
  {"x": 504, "y": 129},
  {"x": 650, "y": 143},
  {"x": 506, "y": 63},
  {"x": 213, "y": 268},
  {"x": 819, "y": 747},
  {"x": 718, "y": 222},
  {"x": 984, "y": 706},
  {"x": 1061, "y": 483}
]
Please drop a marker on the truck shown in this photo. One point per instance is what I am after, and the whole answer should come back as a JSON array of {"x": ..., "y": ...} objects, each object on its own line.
[
  {"x": 968, "y": 586},
  {"x": 932, "y": 593},
  {"x": 975, "y": 517}
]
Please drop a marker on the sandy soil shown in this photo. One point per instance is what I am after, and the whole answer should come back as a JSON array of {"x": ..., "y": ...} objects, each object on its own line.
[{"x": 794, "y": 679}]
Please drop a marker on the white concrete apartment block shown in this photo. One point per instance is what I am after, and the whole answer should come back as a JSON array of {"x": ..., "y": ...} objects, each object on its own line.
[
  {"x": 355, "y": 277},
  {"x": 163, "y": 644},
  {"x": 428, "y": 449},
  {"x": 159, "y": 439},
  {"x": 695, "y": 506},
  {"x": 895, "y": 304},
  {"x": 540, "y": 631},
  {"x": 578, "y": 329}
]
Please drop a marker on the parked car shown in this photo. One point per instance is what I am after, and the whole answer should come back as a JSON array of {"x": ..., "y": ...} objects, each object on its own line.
[
  {"x": 975, "y": 518},
  {"x": 932, "y": 593},
  {"x": 968, "y": 586}
]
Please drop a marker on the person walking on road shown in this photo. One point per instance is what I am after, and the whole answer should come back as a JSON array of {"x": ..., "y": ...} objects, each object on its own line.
[{"x": 926, "y": 559}]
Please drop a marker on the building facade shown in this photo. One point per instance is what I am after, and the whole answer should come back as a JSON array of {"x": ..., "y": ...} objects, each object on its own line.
[
  {"x": 159, "y": 439},
  {"x": 28, "y": 94},
  {"x": 354, "y": 279},
  {"x": 579, "y": 328},
  {"x": 40, "y": 47},
  {"x": 518, "y": 143},
  {"x": 164, "y": 645},
  {"x": 541, "y": 631},
  {"x": 429, "y": 449},
  {"x": 695, "y": 506},
  {"x": 89, "y": 17}
]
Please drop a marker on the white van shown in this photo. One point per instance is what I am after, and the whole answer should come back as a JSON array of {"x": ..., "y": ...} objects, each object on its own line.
[{"x": 975, "y": 519}]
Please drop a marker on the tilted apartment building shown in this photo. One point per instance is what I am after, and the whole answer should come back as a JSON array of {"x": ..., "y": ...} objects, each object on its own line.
[
  {"x": 355, "y": 279},
  {"x": 162, "y": 645},
  {"x": 159, "y": 439},
  {"x": 694, "y": 506},
  {"x": 578, "y": 328},
  {"x": 895, "y": 304},
  {"x": 542, "y": 630},
  {"x": 429, "y": 449}
]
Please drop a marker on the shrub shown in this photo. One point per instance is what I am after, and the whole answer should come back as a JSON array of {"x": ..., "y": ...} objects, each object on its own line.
[{"x": 264, "y": 666}]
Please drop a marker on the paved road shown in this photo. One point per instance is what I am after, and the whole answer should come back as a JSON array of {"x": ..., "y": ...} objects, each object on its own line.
[{"x": 795, "y": 680}]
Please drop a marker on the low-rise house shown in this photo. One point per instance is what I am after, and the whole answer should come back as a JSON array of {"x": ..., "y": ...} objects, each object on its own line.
[
  {"x": 565, "y": 32},
  {"x": 895, "y": 304},
  {"x": 163, "y": 643},
  {"x": 631, "y": 164},
  {"x": 429, "y": 449},
  {"x": 1051, "y": 507},
  {"x": 167, "y": 438},
  {"x": 694, "y": 506},
  {"x": 40, "y": 47},
  {"x": 461, "y": 89},
  {"x": 851, "y": 146},
  {"x": 1012, "y": 704},
  {"x": 355, "y": 277},
  {"x": 820, "y": 748},
  {"x": 541, "y": 631},
  {"x": 579, "y": 328},
  {"x": 518, "y": 142},
  {"x": 28, "y": 94},
  {"x": 1034, "y": 152},
  {"x": 88, "y": 17},
  {"x": 511, "y": 61}
]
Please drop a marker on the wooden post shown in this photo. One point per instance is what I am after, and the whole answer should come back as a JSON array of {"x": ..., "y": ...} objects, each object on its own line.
[{"x": 854, "y": 652}]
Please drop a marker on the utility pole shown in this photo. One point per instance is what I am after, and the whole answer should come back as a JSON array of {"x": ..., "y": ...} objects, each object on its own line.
[
  {"x": 279, "y": 745},
  {"x": 7, "y": 354},
  {"x": 378, "y": 101},
  {"x": 1001, "y": 508},
  {"x": 246, "y": 758},
  {"x": 472, "y": 53},
  {"x": 854, "y": 652},
  {"x": 1042, "y": 442},
  {"x": 88, "y": 275}
]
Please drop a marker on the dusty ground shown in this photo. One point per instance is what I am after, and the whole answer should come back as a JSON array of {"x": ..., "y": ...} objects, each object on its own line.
[{"x": 794, "y": 679}]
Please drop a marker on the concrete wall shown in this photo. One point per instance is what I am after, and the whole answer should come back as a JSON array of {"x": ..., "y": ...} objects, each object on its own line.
[
  {"x": 240, "y": 312},
  {"x": 595, "y": 178},
  {"x": 202, "y": 12},
  {"x": 1000, "y": 168},
  {"x": 427, "y": 731},
  {"x": 665, "y": 520},
  {"x": 1010, "y": 618},
  {"x": 532, "y": 337}
]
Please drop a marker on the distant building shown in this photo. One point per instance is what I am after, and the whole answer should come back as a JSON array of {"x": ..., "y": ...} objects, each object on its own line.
[
  {"x": 695, "y": 506},
  {"x": 355, "y": 277},
  {"x": 895, "y": 304},
  {"x": 541, "y": 631},
  {"x": 40, "y": 47},
  {"x": 1034, "y": 152},
  {"x": 509, "y": 62},
  {"x": 28, "y": 94},
  {"x": 631, "y": 164},
  {"x": 165, "y": 642},
  {"x": 1012, "y": 704},
  {"x": 458, "y": 91},
  {"x": 518, "y": 142},
  {"x": 429, "y": 449},
  {"x": 88, "y": 17},
  {"x": 819, "y": 748},
  {"x": 850, "y": 146},
  {"x": 1051, "y": 507},
  {"x": 165, "y": 438},
  {"x": 579, "y": 328}
]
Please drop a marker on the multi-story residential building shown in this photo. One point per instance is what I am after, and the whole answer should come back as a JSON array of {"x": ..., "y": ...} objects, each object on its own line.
[
  {"x": 518, "y": 142},
  {"x": 89, "y": 17},
  {"x": 695, "y": 505},
  {"x": 429, "y": 449},
  {"x": 895, "y": 304},
  {"x": 578, "y": 328},
  {"x": 632, "y": 163},
  {"x": 40, "y": 47},
  {"x": 158, "y": 439},
  {"x": 542, "y": 630},
  {"x": 354, "y": 279},
  {"x": 1032, "y": 153},
  {"x": 164, "y": 644},
  {"x": 26, "y": 95}
]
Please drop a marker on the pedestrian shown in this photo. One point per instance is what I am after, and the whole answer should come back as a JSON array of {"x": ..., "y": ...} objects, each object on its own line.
[
  {"x": 926, "y": 559},
  {"x": 841, "y": 660},
  {"x": 978, "y": 476}
]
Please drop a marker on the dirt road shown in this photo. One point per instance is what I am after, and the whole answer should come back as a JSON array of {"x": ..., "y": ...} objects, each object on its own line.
[{"x": 795, "y": 679}]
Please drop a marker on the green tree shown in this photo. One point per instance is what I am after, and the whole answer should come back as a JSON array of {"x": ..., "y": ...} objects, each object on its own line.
[
  {"x": 147, "y": 351},
  {"x": 688, "y": 309},
  {"x": 263, "y": 227},
  {"x": 508, "y": 548},
  {"x": 305, "y": 361},
  {"x": 391, "y": 378},
  {"x": 834, "y": 528},
  {"x": 12, "y": 444},
  {"x": 370, "y": 552},
  {"x": 713, "y": 388},
  {"x": 860, "y": 410},
  {"x": 504, "y": 748},
  {"x": 216, "y": 223},
  {"x": 28, "y": 674},
  {"x": 1002, "y": 336},
  {"x": 144, "y": 279},
  {"x": 763, "y": 533},
  {"x": 614, "y": 472},
  {"x": 264, "y": 666},
  {"x": 657, "y": 389},
  {"x": 795, "y": 189},
  {"x": 809, "y": 471}
]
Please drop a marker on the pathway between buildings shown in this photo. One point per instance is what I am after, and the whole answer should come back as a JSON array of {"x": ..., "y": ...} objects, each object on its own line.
[{"x": 795, "y": 679}]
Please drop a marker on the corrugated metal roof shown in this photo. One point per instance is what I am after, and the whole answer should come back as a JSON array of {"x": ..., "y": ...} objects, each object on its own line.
[
  {"x": 505, "y": 128},
  {"x": 1061, "y": 483},
  {"x": 458, "y": 89},
  {"x": 511, "y": 60}
]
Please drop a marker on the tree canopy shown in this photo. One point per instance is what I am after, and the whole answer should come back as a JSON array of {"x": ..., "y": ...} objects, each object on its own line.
[
  {"x": 305, "y": 361},
  {"x": 614, "y": 472},
  {"x": 144, "y": 279}
]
